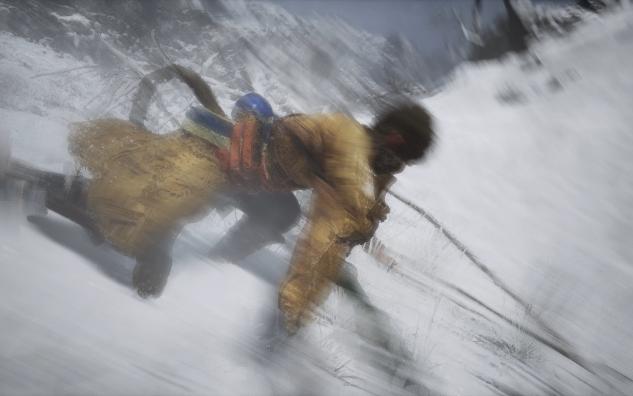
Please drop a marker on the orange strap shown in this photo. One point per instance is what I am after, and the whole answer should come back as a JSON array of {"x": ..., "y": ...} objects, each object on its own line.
[
  {"x": 246, "y": 166},
  {"x": 264, "y": 176},
  {"x": 249, "y": 147},
  {"x": 245, "y": 161},
  {"x": 235, "y": 152},
  {"x": 222, "y": 155}
]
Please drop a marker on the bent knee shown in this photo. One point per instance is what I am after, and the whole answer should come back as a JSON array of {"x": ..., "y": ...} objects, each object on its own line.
[
  {"x": 288, "y": 212},
  {"x": 279, "y": 211}
]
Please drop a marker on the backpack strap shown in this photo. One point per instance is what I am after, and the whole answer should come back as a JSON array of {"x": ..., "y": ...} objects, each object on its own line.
[
  {"x": 247, "y": 156},
  {"x": 209, "y": 126}
]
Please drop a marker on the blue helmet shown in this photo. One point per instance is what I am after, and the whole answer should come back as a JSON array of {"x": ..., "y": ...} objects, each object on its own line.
[{"x": 255, "y": 104}]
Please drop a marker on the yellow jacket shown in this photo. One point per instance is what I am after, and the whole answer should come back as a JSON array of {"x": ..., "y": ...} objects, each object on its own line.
[
  {"x": 330, "y": 154},
  {"x": 145, "y": 186}
]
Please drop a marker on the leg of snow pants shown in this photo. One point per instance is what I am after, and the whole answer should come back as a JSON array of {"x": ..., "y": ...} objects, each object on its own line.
[
  {"x": 65, "y": 196},
  {"x": 266, "y": 217},
  {"x": 69, "y": 200}
]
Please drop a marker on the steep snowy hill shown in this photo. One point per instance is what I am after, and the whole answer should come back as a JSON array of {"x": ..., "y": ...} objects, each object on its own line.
[{"x": 532, "y": 172}]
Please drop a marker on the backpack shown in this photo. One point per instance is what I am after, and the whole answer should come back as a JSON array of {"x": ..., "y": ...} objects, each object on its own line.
[{"x": 240, "y": 147}]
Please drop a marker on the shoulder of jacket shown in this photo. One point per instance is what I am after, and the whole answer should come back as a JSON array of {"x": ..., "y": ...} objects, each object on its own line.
[{"x": 344, "y": 127}]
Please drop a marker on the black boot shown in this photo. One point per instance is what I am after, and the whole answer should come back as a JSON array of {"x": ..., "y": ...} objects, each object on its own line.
[
  {"x": 65, "y": 195},
  {"x": 152, "y": 270}
]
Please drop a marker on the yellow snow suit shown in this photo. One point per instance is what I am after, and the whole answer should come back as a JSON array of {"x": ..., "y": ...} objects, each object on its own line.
[
  {"x": 332, "y": 158},
  {"x": 146, "y": 185}
]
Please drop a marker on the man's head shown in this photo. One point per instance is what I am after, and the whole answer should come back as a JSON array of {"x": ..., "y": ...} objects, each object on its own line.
[{"x": 402, "y": 135}]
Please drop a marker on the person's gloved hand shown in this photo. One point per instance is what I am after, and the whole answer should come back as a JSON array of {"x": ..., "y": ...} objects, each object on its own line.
[{"x": 379, "y": 212}]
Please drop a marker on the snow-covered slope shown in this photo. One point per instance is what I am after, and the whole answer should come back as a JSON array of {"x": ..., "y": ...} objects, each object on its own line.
[{"x": 532, "y": 172}]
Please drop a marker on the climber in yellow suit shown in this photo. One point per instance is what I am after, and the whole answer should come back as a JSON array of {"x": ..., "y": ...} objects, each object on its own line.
[{"x": 145, "y": 187}]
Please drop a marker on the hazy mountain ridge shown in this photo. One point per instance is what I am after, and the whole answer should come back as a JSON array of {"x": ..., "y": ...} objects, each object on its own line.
[{"x": 243, "y": 46}]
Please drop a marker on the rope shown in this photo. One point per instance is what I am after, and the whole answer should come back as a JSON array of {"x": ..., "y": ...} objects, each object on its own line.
[
  {"x": 475, "y": 261},
  {"x": 566, "y": 350}
]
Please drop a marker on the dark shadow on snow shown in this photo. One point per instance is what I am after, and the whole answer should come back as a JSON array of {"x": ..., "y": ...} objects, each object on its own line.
[
  {"x": 115, "y": 266},
  {"x": 266, "y": 265}
]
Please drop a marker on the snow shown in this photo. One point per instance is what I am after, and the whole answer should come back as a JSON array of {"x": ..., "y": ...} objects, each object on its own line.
[
  {"x": 75, "y": 18},
  {"x": 532, "y": 171},
  {"x": 541, "y": 190}
]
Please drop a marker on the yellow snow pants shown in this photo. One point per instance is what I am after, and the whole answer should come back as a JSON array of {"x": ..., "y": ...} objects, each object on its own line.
[{"x": 144, "y": 186}]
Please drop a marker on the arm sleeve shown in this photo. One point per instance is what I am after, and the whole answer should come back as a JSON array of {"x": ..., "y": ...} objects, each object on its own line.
[
  {"x": 315, "y": 264},
  {"x": 343, "y": 195},
  {"x": 346, "y": 166}
]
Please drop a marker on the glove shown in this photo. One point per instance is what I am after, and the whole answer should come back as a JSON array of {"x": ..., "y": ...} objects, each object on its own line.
[{"x": 379, "y": 212}]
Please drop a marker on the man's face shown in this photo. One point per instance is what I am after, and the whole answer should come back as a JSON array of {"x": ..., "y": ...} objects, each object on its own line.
[{"x": 387, "y": 162}]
